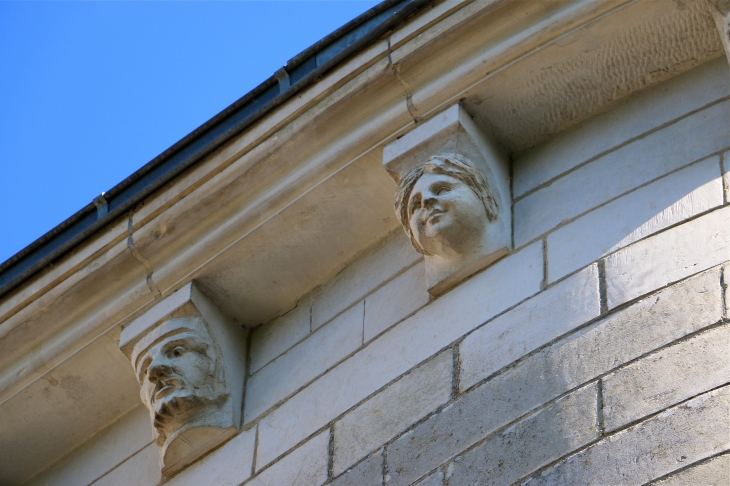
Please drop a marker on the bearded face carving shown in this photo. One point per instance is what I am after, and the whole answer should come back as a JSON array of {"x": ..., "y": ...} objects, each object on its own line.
[
  {"x": 181, "y": 380},
  {"x": 190, "y": 367}
]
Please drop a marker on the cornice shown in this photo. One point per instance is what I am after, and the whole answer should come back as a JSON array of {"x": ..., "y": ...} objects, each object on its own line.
[{"x": 176, "y": 235}]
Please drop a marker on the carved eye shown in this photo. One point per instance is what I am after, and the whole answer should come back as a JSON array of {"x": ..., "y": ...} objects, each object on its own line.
[
  {"x": 178, "y": 351},
  {"x": 442, "y": 190}
]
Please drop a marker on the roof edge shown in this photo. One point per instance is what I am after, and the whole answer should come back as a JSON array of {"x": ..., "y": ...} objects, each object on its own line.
[{"x": 300, "y": 72}]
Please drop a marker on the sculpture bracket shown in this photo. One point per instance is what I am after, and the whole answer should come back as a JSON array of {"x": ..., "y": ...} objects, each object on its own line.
[
  {"x": 190, "y": 360},
  {"x": 454, "y": 132}
]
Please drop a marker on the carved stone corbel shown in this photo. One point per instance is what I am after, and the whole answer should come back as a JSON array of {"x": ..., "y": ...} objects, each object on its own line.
[
  {"x": 190, "y": 362},
  {"x": 453, "y": 197},
  {"x": 720, "y": 10}
]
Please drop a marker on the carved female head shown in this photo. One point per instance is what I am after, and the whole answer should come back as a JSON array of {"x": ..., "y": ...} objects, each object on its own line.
[{"x": 444, "y": 206}]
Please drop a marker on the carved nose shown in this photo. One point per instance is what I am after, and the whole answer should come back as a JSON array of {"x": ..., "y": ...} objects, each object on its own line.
[
  {"x": 158, "y": 371},
  {"x": 428, "y": 202}
]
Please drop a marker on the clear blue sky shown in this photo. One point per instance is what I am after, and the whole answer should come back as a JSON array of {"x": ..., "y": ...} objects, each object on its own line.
[{"x": 91, "y": 91}]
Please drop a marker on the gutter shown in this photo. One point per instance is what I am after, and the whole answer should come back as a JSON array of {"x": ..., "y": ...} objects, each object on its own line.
[{"x": 300, "y": 72}]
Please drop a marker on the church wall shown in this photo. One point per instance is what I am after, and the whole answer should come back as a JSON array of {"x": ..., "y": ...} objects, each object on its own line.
[{"x": 566, "y": 361}]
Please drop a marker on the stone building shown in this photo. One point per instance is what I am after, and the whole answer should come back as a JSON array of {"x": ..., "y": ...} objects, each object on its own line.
[{"x": 248, "y": 309}]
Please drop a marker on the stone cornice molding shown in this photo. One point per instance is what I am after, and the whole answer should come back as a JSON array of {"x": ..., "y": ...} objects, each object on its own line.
[{"x": 369, "y": 100}]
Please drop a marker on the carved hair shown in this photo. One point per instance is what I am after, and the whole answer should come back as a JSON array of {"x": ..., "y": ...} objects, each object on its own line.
[{"x": 452, "y": 165}]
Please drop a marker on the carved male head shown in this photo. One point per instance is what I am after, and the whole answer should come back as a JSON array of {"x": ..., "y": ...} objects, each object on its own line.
[
  {"x": 178, "y": 367},
  {"x": 445, "y": 205}
]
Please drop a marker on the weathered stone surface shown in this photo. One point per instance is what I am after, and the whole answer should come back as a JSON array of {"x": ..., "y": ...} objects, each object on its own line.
[
  {"x": 532, "y": 324},
  {"x": 667, "y": 257},
  {"x": 667, "y": 377},
  {"x": 103, "y": 452},
  {"x": 650, "y": 109},
  {"x": 395, "y": 300},
  {"x": 714, "y": 472},
  {"x": 141, "y": 469},
  {"x": 305, "y": 466},
  {"x": 675, "y": 146},
  {"x": 564, "y": 365},
  {"x": 535, "y": 441},
  {"x": 440, "y": 323},
  {"x": 229, "y": 465},
  {"x": 435, "y": 479},
  {"x": 665, "y": 202},
  {"x": 368, "y": 473},
  {"x": 291, "y": 371},
  {"x": 274, "y": 338},
  {"x": 392, "y": 410},
  {"x": 646, "y": 325},
  {"x": 444, "y": 435},
  {"x": 374, "y": 267},
  {"x": 681, "y": 435}
]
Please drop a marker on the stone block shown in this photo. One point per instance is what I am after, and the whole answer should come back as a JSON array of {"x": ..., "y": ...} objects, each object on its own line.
[
  {"x": 667, "y": 377},
  {"x": 690, "y": 139},
  {"x": 393, "y": 410},
  {"x": 101, "y": 453},
  {"x": 668, "y": 257},
  {"x": 304, "y": 362},
  {"x": 714, "y": 472},
  {"x": 559, "y": 368},
  {"x": 456, "y": 428},
  {"x": 648, "y": 110},
  {"x": 373, "y": 268},
  {"x": 646, "y": 325},
  {"x": 422, "y": 335},
  {"x": 530, "y": 325},
  {"x": 274, "y": 338},
  {"x": 651, "y": 449},
  {"x": 368, "y": 473},
  {"x": 389, "y": 304},
  {"x": 443, "y": 435},
  {"x": 663, "y": 203},
  {"x": 229, "y": 465},
  {"x": 533, "y": 442},
  {"x": 305, "y": 466},
  {"x": 142, "y": 469}
]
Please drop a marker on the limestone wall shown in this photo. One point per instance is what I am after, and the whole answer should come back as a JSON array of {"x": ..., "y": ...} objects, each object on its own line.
[{"x": 597, "y": 352}]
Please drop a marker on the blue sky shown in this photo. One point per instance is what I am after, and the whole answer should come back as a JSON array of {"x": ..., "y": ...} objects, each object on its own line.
[{"x": 91, "y": 91}]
